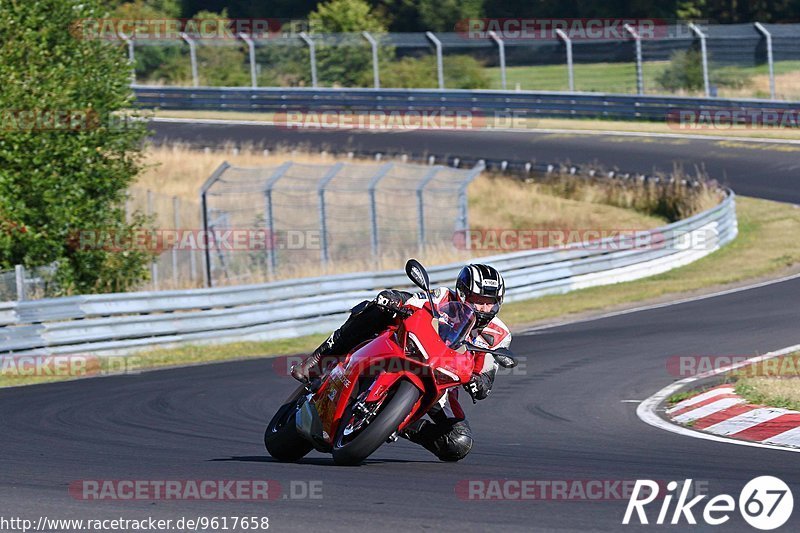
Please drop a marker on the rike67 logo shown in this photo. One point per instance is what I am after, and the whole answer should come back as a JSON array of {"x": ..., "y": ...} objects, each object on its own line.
[{"x": 765, "y": 503}]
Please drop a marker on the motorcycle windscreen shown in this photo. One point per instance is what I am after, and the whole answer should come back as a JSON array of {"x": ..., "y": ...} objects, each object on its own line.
[{"x": 455, "y": 322}]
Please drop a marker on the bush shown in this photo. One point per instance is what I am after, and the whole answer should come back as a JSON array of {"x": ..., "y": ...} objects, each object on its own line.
[
  {"x": 684, "y": 72},
  {"x": 57, "y": 179},
  {"x": 460, "y": 72},
  {"x": 673, "y": 197}
]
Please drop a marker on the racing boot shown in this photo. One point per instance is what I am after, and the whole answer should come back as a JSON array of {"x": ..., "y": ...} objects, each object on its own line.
[{"x": 310, "y": 367}]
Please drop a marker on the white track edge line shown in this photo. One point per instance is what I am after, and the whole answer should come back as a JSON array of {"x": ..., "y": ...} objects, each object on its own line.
[{"x": 646, "y": 411}]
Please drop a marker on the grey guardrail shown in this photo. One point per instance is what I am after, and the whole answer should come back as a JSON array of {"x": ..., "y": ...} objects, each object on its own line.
[
  {"x": 528, "y": 103},
  {"x": 116, "y": 323}
]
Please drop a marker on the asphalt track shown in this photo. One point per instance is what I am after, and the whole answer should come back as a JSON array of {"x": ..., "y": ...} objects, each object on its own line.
[{"x": 568, "y": 414}]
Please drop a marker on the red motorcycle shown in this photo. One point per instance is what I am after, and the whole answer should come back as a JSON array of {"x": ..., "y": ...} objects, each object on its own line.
[{"x": 383, "y": 385}]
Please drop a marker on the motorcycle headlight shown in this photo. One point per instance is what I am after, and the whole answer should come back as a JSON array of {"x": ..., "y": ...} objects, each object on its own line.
[
  {"x": 414, "y": 347},
  {"x": 445, "y": 376}
]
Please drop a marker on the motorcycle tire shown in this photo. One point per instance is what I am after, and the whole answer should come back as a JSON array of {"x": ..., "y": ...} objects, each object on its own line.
[
  {"x": 386, "y": 421},
  {"x": 281, "y": 438}
]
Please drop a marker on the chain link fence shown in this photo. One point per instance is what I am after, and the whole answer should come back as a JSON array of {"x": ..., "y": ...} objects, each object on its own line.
[
  {"x": 736, "y": 60},
  {"x": 173, "y": 217},
  {"x": 266, "y": 221},
  {"x": 28, "y": 283}
]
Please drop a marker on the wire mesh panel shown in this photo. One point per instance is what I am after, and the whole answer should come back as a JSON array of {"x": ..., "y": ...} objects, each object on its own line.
[
  {"x": 786, "y": 54},
  {"x": 294, "y": 217},
  {"x": 163, "y": 62},
  {"x": 676, "y": 46},
  {"x": 737, "y": 60},
  {"x": 176, "y": 227}
]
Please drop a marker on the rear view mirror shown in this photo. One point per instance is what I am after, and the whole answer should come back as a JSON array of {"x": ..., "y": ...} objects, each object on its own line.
[
  {"x": 506, "y": 361},
  {"x": 503, "y": 356},
  {"x": 418, "y": 274}
]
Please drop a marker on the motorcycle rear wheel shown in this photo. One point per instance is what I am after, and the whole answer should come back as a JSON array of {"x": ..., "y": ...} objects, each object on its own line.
[
  {"x": 391, "y": 414},
  {"x": 281, "y": 438}
]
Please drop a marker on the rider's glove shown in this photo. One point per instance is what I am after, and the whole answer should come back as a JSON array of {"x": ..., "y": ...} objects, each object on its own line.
[
  {"x": 391, "y": 301},
  {"x": 476, "y": 387}
]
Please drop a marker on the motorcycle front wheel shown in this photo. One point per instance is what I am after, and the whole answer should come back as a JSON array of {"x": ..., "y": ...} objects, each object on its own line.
[{"x": 357, "y": 438}]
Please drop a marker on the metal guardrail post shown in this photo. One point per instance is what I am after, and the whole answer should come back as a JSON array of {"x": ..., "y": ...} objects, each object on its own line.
[
  {"x": 568, "y": 42},
  {"x": 501, "y": 49},
  {"x": 19, "y": 277},
  {"x": 376, "y": 79},
  {"x": 251, "y": 47},
  {"x": 639, "y": 72},
  {"x": 704, "y": 53},
  {"x": 322, "y": 220},
  {"x": 463, "y": 206},
  {"x": 439, "y": 62},
  {"x": 131, "y": 57},
  {"x": 312, "y": 56},
  {"x": 176, "y": 208},
  {"x": 193, "y": 58},
  {"x": 373, "y": 210},
  {"x": 760, "y": 27},
  {"x": 204, "y": 214},
  {"x": 270, "y": 218},
  {"x": 421, "y": 203}
]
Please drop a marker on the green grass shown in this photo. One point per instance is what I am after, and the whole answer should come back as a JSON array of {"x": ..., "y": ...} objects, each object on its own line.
[
  {"x": 680, "y": 396},
  {"x": 621, "y": 77},
  {"x": 595, "y": 77}
]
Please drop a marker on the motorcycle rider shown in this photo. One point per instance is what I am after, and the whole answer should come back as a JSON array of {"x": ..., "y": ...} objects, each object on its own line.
[{"x": 447, "y": 435}]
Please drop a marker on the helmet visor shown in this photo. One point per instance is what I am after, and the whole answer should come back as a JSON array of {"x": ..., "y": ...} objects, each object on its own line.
[{"x": 484, "y": 304}]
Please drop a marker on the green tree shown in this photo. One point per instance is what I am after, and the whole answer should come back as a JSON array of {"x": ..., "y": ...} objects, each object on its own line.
[
  {"x": 344, "y": 16},
  {"x": 157, "y": 62},
  {"x": 443, "y": 15},
  {"x": 65, "y": 160},
  {"x": 346, "y": 61}
]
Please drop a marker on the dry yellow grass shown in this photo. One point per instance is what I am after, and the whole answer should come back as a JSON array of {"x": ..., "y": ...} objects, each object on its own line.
[{"x": 787, "y": 87}]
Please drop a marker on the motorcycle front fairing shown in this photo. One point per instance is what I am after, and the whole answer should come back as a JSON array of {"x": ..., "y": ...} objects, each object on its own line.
[{"x": 433, "y": 368}]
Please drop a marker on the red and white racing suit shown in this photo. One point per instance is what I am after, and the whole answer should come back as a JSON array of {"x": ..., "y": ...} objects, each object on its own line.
[{"x": 449, "y": 436}]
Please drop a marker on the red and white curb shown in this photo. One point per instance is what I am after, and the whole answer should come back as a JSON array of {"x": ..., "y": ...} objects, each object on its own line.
[
  {"x": 721, "y": 415},
  {"x": 723, "y": 412}
]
